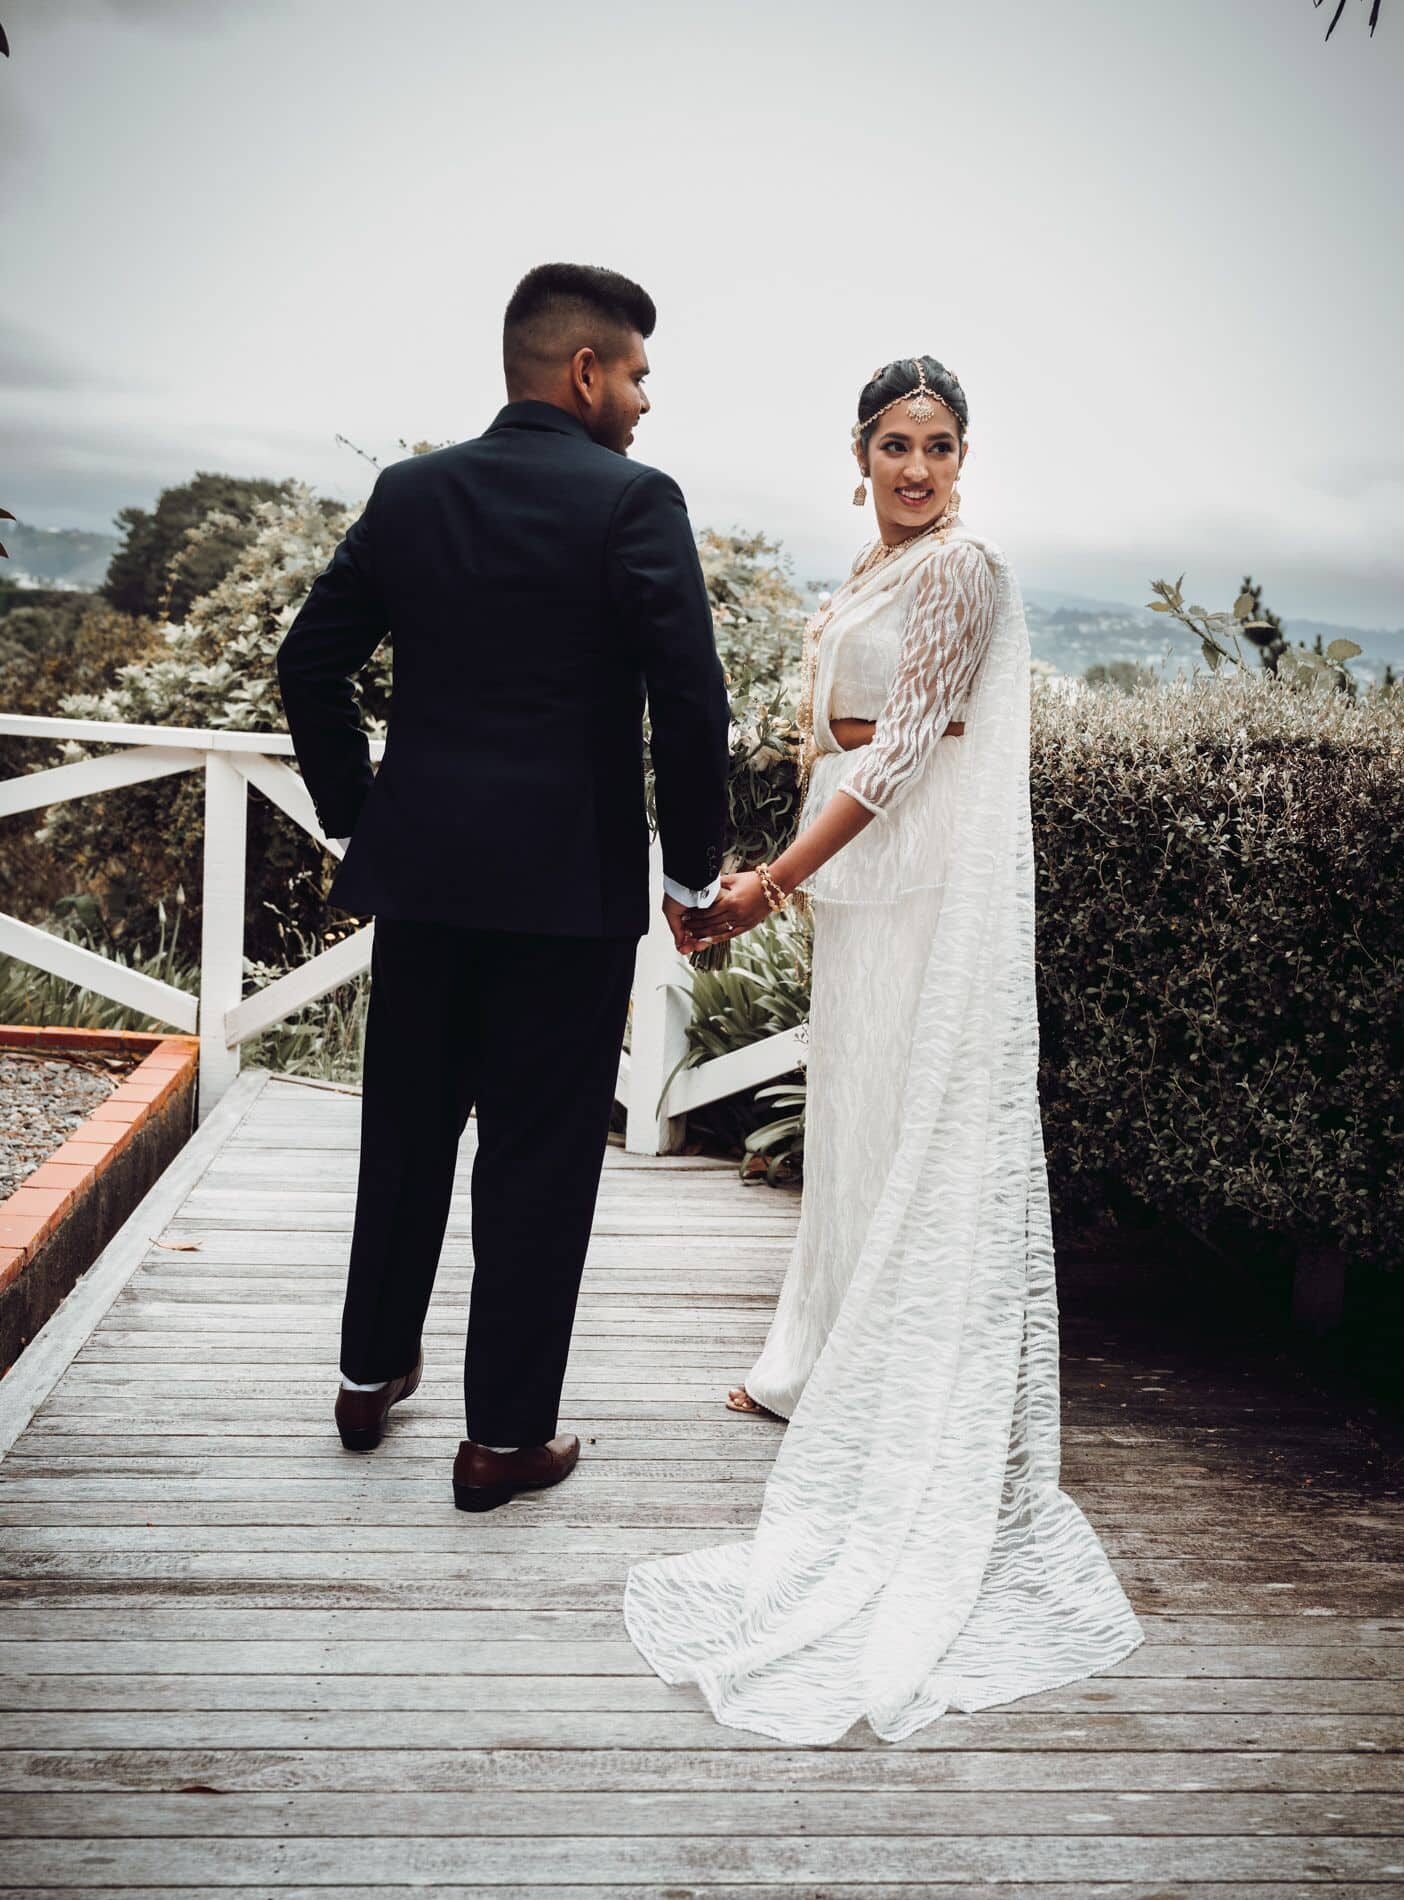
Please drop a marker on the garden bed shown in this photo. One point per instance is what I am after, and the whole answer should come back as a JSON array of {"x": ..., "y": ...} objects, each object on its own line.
[{"x": 64, "y": 1211}]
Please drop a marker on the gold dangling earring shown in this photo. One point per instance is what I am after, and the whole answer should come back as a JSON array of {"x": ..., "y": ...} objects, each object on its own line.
[
  {"x": 860, "y": 493},
  {"x": 953, "y": 505}
]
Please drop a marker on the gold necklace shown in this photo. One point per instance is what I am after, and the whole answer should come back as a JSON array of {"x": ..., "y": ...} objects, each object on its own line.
[{"x": 886, "y": 549}]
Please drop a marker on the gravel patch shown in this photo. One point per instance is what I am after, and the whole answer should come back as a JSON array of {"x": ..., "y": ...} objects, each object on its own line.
[{"x": 43, "y": 1099}]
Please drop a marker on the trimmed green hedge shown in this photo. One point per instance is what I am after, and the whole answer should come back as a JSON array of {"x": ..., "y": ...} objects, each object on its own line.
[
  {"x": 1220, "y": 961},
  {"x": 1221, "y": 958}
]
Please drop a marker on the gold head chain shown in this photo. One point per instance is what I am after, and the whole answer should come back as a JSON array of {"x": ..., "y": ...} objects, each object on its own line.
[{"x": 921, "y": 402}]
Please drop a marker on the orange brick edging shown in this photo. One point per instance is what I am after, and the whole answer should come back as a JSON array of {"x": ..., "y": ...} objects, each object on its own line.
[{"x": 41, "y": 1200}]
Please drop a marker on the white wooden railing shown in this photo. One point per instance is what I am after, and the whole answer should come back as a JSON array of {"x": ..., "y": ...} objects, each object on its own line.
[{"x": 225, "y": 1018}]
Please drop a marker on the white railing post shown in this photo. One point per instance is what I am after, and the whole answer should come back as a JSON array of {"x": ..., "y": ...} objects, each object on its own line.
[
  {"x": 659, "y": 1034},
  {"x": 222, "y": 929}
]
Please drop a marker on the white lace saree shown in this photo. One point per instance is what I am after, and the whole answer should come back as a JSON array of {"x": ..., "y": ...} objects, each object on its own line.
[{"x": 914, "y": 1551}]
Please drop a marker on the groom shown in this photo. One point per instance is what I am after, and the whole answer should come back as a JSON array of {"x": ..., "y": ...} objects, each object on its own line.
[{"x": 538, "y": 586}]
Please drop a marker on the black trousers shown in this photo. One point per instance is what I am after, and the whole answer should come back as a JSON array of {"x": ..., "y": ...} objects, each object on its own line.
[{"x": 527, "y": 1028}]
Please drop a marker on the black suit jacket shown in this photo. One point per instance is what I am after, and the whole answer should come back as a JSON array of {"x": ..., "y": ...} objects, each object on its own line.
[{"x": 537, "y": 587}]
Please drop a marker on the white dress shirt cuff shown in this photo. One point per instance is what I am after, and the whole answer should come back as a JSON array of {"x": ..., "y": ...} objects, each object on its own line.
[{"x": 699, "y": 900}]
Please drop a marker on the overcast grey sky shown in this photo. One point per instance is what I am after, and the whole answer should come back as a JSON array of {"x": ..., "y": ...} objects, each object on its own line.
[{"x": 1159, "y": 243}]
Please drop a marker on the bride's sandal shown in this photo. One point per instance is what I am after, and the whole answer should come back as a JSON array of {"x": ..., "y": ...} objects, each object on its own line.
[{"x": 751, "y": 1405}]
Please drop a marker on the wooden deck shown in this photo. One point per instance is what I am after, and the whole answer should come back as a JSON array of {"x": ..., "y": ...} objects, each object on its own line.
[{"x": 233, "y": 1655}]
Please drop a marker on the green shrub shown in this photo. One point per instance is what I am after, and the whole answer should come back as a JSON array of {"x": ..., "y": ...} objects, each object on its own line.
[
  {"x": 215, "y": 669},
  {"x": 761, "y": 990},
  {"x": 1221, "y": 958},
  {"x": 758, "y": 612},
  {"x": 758, "y": 617},
  {"x": 52, "y": 643}
]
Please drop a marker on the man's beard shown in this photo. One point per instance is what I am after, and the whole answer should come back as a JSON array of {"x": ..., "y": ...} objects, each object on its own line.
[{"x": 612, "y": 430}]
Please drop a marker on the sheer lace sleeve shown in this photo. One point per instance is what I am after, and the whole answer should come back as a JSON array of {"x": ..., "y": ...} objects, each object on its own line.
[{"x": 949, "y": 621}]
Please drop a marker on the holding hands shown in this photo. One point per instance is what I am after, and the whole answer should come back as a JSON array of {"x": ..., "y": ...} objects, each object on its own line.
[
  {"x": 741, "y": 904},
  {"x": 746, "y": 898}
]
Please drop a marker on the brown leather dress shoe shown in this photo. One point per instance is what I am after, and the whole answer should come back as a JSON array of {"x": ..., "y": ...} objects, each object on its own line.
[
  {"x": 360, "y": 1416},
  {"x": 483, "y": 1478}
]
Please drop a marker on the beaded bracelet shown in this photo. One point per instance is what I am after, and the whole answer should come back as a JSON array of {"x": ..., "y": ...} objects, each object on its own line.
[{"x": 774, "y": 896}]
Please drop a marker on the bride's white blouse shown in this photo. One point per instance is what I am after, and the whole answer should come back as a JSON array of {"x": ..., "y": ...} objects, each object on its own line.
[{"x": 908, "y": 657}]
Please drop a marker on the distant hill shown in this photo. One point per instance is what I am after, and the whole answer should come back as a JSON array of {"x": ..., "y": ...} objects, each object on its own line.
[
  {"x": 55, "y": 557},
  {"x": 1072, "y": 633}
]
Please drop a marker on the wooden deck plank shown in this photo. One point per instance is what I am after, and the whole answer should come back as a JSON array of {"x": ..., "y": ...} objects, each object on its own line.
[
  {"x": 920, "y": 1889},
  {"x": 750, "y": 1890},
  {"x": 232, "y": 1655},
  {"x": 292, "y": 1771},
  {"x": 178, "y": 1620},
  {"x": 627, "y": 1860},
  {"x": 543, "y": 1813},
  {"x": 567, "y": 1654},
  {"x": 63, "y": 1541},
  {"x": 480, "y": 1691}
]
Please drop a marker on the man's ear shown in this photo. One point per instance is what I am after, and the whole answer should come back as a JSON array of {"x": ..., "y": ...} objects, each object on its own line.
[{"x": 585, "y": 373}]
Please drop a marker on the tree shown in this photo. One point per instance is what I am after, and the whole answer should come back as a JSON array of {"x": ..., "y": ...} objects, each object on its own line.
[
  {"x": 1263, "y": 627},
  {"x": 160, "y": 570}
]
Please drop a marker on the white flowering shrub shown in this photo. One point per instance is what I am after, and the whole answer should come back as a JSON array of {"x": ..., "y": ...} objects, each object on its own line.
[
  {"x": 758, "y": 614},
  {"x": 135, "y": 846}
]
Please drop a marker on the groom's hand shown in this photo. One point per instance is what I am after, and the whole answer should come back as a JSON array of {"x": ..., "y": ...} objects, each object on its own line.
[{"x": 683, "y": 939}]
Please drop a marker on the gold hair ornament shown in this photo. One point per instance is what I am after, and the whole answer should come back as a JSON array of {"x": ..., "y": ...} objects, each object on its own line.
[{"x": 921, "y": 403}]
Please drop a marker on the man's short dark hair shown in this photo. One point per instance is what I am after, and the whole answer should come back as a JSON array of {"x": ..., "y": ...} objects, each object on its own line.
[{"x": 559, "y": 308}]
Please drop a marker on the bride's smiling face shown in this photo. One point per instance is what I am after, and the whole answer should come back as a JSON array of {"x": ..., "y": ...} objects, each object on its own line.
[{"x": 913, "y": 467}]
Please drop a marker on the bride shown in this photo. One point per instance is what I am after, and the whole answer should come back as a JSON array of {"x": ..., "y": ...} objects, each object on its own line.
[{"x": 914, "y": 1552}]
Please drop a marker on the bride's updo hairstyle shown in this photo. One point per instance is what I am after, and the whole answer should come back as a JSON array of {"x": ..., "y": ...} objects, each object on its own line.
[{"x": 906, "y": 377}]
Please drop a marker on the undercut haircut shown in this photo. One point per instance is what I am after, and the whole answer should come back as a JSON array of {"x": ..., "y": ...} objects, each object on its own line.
[{"x": 558, "y": 309}]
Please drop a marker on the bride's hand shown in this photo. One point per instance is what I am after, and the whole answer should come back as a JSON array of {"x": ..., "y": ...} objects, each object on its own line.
[{"x": 740, "y": 906}]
